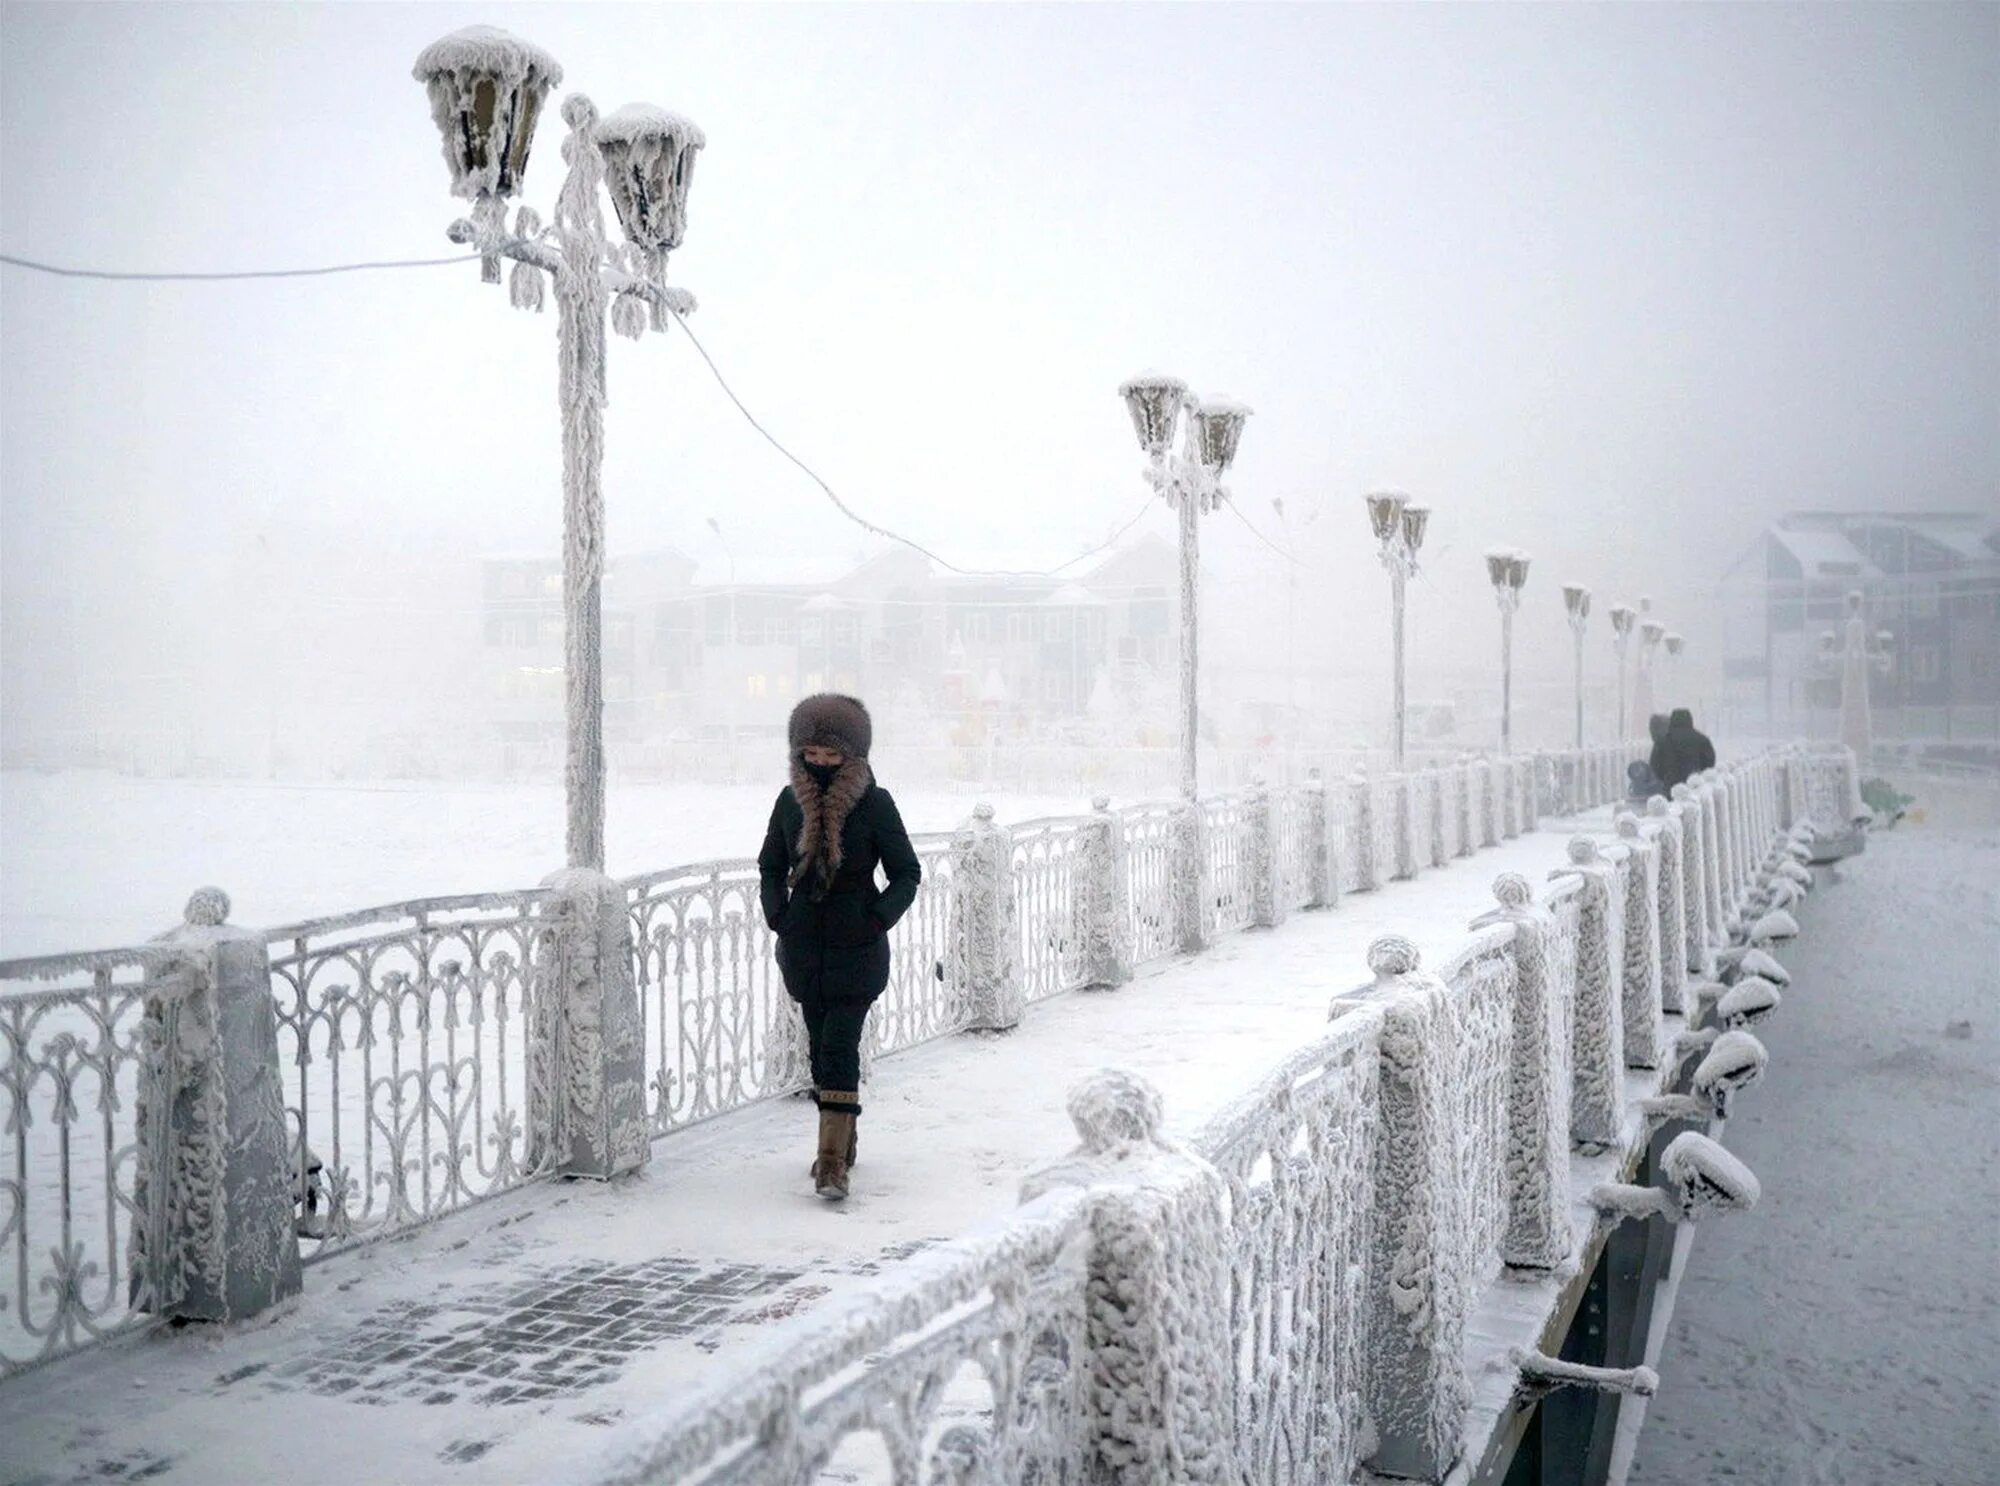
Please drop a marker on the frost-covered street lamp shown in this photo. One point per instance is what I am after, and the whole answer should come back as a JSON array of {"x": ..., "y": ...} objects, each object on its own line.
[
  {"x": 1853, "y": 659},
  {"x": 1191, "y": 482},
  {"x": 486, "y": 90},
  {"x": 1508, "y": 570},
  {"x": 1399, "y": 528},
  {"x": 1576, "y": 604},
  {"x": 1651, "y": 632},
  {"x": 1674, "y": 645},
  {"x": 1623, "y": 618}
]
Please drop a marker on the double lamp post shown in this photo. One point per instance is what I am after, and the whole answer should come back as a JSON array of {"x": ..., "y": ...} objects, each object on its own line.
[{"x": 486, "y": 91}]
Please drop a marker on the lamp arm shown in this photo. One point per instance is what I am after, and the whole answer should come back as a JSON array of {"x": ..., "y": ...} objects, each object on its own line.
[{"x": 548, "y": 257}]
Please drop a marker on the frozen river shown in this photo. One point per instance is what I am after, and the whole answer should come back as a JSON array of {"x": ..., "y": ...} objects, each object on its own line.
[{"x": 90, "y": 860}]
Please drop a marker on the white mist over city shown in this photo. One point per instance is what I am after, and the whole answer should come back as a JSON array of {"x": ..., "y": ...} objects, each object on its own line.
[{"x": 1374, "y": 630}]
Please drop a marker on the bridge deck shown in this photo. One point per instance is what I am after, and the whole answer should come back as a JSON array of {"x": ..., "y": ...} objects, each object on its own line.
[{"x": 501, "y": 1343}]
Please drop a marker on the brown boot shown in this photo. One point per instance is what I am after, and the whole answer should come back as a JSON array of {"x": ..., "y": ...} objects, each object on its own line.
[
  {"x": 830, "y": 1170},
  {"x": 853, "y": 1143}
]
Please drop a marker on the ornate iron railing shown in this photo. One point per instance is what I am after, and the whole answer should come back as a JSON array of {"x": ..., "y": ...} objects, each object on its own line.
[
  {"x": 90, "y": 1048},
  {"x": 1297, "y": 1153},
  {"x": 1228, "y": 833},
  {"x": 1149, "y": 846},
  {"x": 1048, "y": 904},
  {"x": 1291, "y": 817},
  {"x": 416, "y": 1050},
  {"x": 964, "y": 1363}
]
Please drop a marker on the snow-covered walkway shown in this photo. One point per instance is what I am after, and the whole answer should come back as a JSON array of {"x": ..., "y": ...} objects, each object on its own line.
[
  {"x": 1849, "y": 1330},
  {"x": 500, "y": 1342}
]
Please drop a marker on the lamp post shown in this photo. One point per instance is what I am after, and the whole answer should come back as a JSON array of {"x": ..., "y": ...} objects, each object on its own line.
[
  {"x": 1191, "y": 483},
  {"x": 1856, "y": 657},
  {"x": 1576, "y": 603},
  {"x": 1399, "y": 527},
  {"x": 486, "y": 91},
  {"x": 1508, "y": 570},
  {"x": 1674, "y": 644},
  {"x": 1623, "y": 617},
  {"x": 1651, "y": 632}
]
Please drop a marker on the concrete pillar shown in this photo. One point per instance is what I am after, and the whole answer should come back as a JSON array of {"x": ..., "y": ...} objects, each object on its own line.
[
  {"x": 1361, "y": 804},
  {"x": 1267, "y": 895},
  {"x": 589, "y": 1041},
  {"x": 1158, "y": 1390},
  {"x": 1642, "y": 998},
  {"x": 988, "y": 943},
  {"x": 1322, "y": 847},
  {"x": 1673, "y": 896},
  {"x": 214, "y": 1174},
  {"x": 1597, "y": 1041},
  {"x": 1105, "y": 891},
  {"x": 1461, "y": 791}
]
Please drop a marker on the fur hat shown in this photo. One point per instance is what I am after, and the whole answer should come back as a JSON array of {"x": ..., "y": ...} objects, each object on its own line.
[{"x": 830, "y": 720}]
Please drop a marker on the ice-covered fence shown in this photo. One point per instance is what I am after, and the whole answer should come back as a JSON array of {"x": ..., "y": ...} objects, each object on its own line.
[
  {"x": 1149, "y": 846},
  {"x": 416, "y": 1056},
  {"x": 1227, "y": 840},
  {"x": 1297, "y": 1153},
  {"x": 85, "y": 1240},
  {"x": 1049, "y": 904},
  {"x": 964, "y": 1364}
]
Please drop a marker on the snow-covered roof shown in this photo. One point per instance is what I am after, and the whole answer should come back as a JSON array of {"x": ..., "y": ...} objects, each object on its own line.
[
  {"x": 486, "y": 49},
  {"x": 1823, "y": 553},
  {"x": 1972, "y": 538},
  {"x": 1075, "y": 595},
  {"x": 636, "y": 121}
]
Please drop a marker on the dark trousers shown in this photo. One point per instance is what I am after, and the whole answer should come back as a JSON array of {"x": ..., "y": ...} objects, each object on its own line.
[{"x": 835, "y": 1032}]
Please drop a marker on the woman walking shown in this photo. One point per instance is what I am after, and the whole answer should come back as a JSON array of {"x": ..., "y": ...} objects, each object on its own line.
[{"x": 830, "y": 829}]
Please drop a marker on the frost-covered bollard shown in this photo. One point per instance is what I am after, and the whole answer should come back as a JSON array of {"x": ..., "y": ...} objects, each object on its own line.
[
  {"x": 1267, "y": 901},
  {"x": 1361, "y": 810},
  {"x": 1104, "y": 897},
  {"x": 222, "y": 1167},
  {"x": 1322, "y": 846},
  {"x": 1694, "y": 887},
  {"x": 1461, "y": 801},
  {"x": 1420, "y": 1271},
  {"x": 1434, "y": 791},
  {"x": 987, "y": 947},
  {"x": 1158, "y": 1386},
  {"x": 1492, "y": 780},
  {"x": 1403, "y": 801},
  {"x": 1642, "y": 995},
  {"x": 1672, "y": 903},
  {"x": 1191, "y": 883},
  {"x": 1537, "y": 1234},
  {"x": 1597, "y": 1036},
  {"x": 587, "y": 1048}
]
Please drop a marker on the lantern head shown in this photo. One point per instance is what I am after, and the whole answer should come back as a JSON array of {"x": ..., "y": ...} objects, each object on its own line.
[
  {"x": 1385, "y": 513},
  {"x": 486, "y": 88},
  {"x": 1652, "y": 631},
  {"x": 648, "y": 166},
  {"x": 1415, "y": 519},
  {"x": 1576, "y": 600},
  {"x": 1622, "y": 616},
  {"x": 1155, "y": 405},
  {"x": 1218, "y": 429},
  {"x": 1499, "y": 568},
  {"x": 1674, "y": 643}
]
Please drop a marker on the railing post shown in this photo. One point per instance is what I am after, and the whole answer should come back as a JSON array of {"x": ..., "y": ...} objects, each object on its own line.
[
  {"x": 1531, "y": 793},
  {"x": 1192, "y": 877},
  {"x": 589, "y": 1043},
  {"x": 988, "y": 940},
  {"x": 1694, "y": 879},
  {"x": 1461, "y": 791},
  {"x": 1418, "y": 1390},
  {"x": 213, "y": 1152},
  {"x": 1642, "y": 997},
  {"x": 1403, "y": 803},
  {"x": 1322, "y": 847},
  {"x": 1537, "y": 1234},
  {"x": 1489, "y": 807},
  {"x": 1510, "y": 798},
  {"x": 1597, "y": 1040},
  {"x": 1434, "y": 788},
  {"x": 1267, "y": 901},
  {"x": 1361, "y": 802},
  {"x": 1673, "y": 898},
  {"x": 1157, "y": 1390},
  {"x": 1107, "y": 899}
]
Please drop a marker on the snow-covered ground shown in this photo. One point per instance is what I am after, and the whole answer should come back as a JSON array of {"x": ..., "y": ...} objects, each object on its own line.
[
  {"x": 365, "y": 1367},
  {"x": 1847, "y": 1333},
  {"x": 90, "y": 859}
]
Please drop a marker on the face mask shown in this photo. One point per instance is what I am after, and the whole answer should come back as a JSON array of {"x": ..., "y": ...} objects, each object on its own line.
[{"x": 822, "y": 774}]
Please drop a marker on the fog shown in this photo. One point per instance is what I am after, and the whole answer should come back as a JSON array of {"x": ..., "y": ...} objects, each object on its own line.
[{"x": 1612, "y": 285}]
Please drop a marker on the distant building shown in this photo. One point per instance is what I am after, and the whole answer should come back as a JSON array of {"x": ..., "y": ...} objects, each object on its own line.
[
  {"x": 1931, "y": 580},
  {"x": 709, "y": 651}
]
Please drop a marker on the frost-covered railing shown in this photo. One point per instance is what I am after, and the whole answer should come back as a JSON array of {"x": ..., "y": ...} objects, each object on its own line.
[
  {"x": 1049, "y": 904},
  {"x": 964, "y": 1364},
  {"x": 1297, "y": 1155},
  {"x": 1149, "y": 846},
  {"x": 1289, "y": 1297},
  {"x": 89, "y": 1040},
  {"x": 416, "y": 1058}
]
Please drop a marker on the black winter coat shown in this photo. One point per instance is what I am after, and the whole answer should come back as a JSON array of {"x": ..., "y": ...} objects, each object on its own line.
[
  {"x": 833, "y": 943},
  {"x": 1683, "y": 753}
]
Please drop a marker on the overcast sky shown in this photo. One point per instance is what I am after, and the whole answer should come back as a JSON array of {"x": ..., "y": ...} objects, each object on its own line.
[{"x": 1614, "y": 284}]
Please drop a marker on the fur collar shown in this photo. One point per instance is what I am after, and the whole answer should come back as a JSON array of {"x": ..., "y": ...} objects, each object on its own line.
[{"x": 826, "y": 812}]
